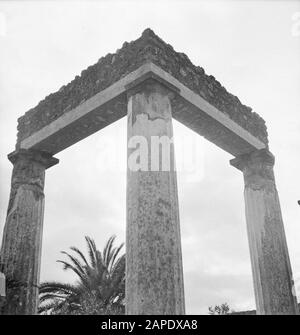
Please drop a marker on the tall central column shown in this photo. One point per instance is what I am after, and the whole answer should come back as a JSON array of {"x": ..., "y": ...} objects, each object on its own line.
[{"x": 154, "y": 277}]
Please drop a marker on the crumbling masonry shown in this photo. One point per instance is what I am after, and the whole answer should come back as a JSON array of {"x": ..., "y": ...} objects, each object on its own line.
[{"x": 146, "y": 76}]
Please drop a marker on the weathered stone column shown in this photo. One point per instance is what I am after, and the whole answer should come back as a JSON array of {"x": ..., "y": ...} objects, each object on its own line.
[
  {"x": 272, "y": 274},
  {"x": 22, "y": 236},
  {"x": 154, "y": 277}
]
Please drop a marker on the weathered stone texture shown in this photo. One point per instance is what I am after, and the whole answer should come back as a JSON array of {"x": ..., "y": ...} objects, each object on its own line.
[
  {"x": 154, "y": 277},
  {"x": 22, "y": 235},
  {"x": 272, "y": 274},
  {"x": 111, "y": 68}
]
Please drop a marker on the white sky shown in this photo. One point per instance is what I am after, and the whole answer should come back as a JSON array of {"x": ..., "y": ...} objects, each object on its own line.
[{"x": 250, "y": 47}]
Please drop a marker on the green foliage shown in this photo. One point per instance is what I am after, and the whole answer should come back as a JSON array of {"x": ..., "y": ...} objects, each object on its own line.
[
  {"x": 100, "y": 288},
  {"x": 223, "y": 309}
]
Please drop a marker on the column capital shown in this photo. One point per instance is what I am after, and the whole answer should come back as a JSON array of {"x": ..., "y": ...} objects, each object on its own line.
[
  {"x": 258, "y": 158},
  {"x": 44, "y": 158},
  {"x": 257, "y": 168},
  {"x": 150, "y": 82}
]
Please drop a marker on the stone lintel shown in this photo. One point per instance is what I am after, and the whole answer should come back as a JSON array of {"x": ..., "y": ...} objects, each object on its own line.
[
  {"x": 112, "y": 68},
  {"x": 43, "y": 158},
  {"x": 110, "y": 105}
]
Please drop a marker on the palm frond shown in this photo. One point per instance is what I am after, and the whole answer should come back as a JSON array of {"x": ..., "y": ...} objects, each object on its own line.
[
  {"x": 100, "y": 288},
  {"x": 51, "y": 296},
  {"x": 68, "y": 266},
  {"x": 48, "y": 307},
  {"x": 52, "y": 286},
  {"x": 80, "y": 267},
  {"x": 81, "y": 255},
  {"x": 119, "y": 266},
  {"x": 107, "y": 250},
  {"x": 91, "y": 250},
  {"x": 114, "y": 256}
]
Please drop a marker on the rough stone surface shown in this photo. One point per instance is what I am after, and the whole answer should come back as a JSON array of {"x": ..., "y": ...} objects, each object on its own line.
[
  {"x": 272, "y": 274},
  {"x": 22, "y": 236},
  {"x": 154, "y": 277},
  {"x": 109, "y": 69}
]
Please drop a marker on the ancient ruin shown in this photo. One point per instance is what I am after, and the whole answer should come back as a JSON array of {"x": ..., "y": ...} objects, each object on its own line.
[{"x": 151, "y": 83}]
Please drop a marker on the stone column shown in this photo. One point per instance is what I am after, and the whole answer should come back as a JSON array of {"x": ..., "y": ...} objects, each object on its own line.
[
  {"x": 22, "y": 236},
  {"x": 154, "y": 277},
  {"x": 272, "y": 274}
]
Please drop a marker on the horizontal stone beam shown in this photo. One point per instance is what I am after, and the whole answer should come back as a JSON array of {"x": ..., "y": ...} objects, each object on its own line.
[
  {"x": 109, "y": 105},
  {"x": 101, "y": 90}
]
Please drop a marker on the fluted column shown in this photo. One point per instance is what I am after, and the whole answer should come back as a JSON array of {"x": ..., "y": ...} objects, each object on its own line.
[
  {"x": 22, "y": 236},
  {"x": 154, "y": 278},
  {"x": 272, "y": 274}
]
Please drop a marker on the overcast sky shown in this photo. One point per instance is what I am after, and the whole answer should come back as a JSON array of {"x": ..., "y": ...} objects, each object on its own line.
[{"x": 251, "y": 47}]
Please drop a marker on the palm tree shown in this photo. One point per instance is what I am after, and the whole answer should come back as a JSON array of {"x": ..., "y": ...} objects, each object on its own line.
[
  {"x": 223, "y": 309},
  {"x": 100, "y": 288}
]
